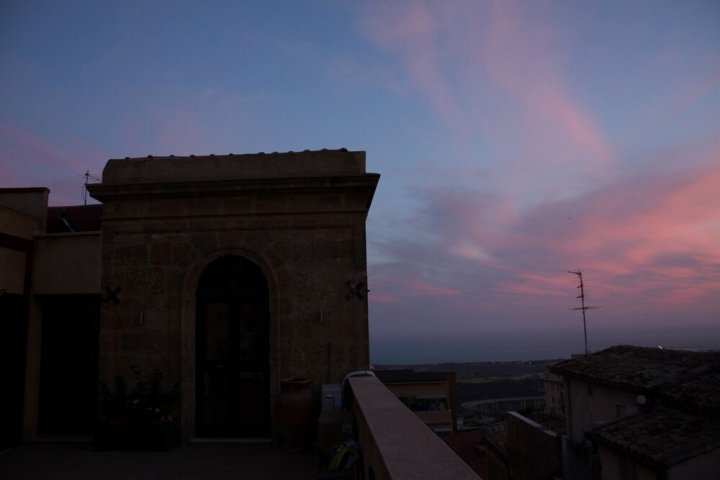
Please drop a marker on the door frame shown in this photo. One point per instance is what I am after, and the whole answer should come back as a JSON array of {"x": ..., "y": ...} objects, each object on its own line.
[{"x": 188, "y": 319}]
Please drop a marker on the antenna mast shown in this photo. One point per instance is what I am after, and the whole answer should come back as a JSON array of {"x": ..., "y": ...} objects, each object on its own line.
[
  {"x": 582, "y": 304},
  {"x": 88, "y": 176}
]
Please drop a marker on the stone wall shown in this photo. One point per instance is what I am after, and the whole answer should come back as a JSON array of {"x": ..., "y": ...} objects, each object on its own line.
[
  {"x": 307, "y": 234},
  {"x": 67, "y": 263}
]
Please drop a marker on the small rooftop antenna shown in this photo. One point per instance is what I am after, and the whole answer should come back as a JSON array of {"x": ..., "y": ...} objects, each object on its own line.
[
  {"x": 88, "y": 176},
  {"x": 582, "y": 304}
]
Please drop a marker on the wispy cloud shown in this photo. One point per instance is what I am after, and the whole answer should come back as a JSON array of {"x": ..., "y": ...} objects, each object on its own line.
[
  {"x": 413, "y": 31},
  {"x": 27, "y": 150},
  {"x": 494, "y": 72},
  {"x": 647, "y": 245},
  {"x": 556, "y": 191},
  {"x": 25, "y": 158}
]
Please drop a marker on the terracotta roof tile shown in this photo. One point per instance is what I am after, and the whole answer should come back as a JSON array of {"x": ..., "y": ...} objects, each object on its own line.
[
  {"x": 689, "y": 381},
  {"x": 661, "y": 437}
]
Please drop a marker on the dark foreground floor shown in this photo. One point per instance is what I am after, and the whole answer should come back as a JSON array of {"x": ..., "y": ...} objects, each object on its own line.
[{"x": 78, "y": 461}]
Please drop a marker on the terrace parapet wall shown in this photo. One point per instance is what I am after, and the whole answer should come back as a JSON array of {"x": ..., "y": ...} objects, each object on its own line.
[{"x": 394, "y": 442}]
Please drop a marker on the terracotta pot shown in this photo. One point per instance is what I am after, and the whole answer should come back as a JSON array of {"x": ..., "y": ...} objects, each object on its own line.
[{"x": 295, "y": 413}]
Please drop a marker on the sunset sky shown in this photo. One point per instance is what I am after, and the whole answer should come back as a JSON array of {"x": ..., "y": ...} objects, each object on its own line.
[{"x": 516, "y": 141}]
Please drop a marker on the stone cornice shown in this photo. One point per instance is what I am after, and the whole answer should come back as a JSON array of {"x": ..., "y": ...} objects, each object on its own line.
[
  {"x": 123, "y": 192},
  {"x": 151, "y": 169}
]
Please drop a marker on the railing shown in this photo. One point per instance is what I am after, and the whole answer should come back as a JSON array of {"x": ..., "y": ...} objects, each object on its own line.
[{"x": 395, "y": 443}]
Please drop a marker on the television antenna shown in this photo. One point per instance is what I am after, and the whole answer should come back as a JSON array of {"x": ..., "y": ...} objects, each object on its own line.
[
  {"x": 582, "y": 306},
  {"x": 88, "y": 176}
]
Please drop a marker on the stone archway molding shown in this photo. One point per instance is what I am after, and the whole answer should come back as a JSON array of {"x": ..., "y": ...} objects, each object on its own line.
[{"x": 188, "y": 379}]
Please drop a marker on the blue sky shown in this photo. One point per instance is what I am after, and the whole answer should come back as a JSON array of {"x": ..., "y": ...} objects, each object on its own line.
[{"x": 516, "y": 141}]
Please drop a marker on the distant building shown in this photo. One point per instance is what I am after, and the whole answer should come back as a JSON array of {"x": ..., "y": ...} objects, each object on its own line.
[
  {"x": 50, "y": 304},
  {"x": 493, "y": 407},
  {"x": 649, "y": 413},
  {"x": 554, "y": 397},
  {"x": 516, "y": 448},
  {"x": 226, "y": 273},
  {"x": 431, "y": 395}
]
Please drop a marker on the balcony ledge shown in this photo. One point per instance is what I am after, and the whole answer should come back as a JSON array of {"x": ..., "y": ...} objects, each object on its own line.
[{"x": 395, "y": 443}]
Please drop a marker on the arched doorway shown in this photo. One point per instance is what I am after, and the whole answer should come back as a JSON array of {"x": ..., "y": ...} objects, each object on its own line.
[{"x": 232, "y": 350}]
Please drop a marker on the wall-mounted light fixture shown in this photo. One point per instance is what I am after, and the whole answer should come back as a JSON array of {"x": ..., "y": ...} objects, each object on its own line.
[
  {"x": 111, "y": 295},
  {"x": 356, "y": 289}
]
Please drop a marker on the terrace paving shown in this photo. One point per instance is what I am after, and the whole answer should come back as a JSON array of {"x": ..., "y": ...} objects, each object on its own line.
[{"x": 78, "y": 461}]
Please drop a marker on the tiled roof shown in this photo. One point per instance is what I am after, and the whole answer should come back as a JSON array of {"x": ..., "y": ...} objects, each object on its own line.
[
  {"x": 662, "y": 437},
  {"x": 700, "y": 392},
  {"x": 686, "y": 380}
]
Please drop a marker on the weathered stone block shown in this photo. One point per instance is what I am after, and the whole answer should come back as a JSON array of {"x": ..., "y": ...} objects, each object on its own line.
[{"x": 161, "y": 254}]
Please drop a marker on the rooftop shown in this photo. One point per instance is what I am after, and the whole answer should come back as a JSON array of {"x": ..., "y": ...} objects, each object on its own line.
[
  {"x": 662, "y": 437},
  {"x": 50, "y": 461},
  {"x": 689, "y": 381},
  {"x": 309, "y": 163}
]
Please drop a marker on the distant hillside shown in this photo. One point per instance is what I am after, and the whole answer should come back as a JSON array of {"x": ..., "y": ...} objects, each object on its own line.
[
  {"x": 505, "y": 388},
  {"x": 489, "y": 380},
  {"x": 481, "y": 371}
]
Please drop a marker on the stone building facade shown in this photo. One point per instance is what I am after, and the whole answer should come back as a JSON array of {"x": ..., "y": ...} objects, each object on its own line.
[
  {"x": 228, "y": 274},
  {"x": 231, "y": 273},
  {"x": 275, "y": 242}
]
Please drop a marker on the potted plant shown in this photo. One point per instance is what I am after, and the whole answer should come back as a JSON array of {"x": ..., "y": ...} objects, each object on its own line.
[{"x": 140, "y": 416}]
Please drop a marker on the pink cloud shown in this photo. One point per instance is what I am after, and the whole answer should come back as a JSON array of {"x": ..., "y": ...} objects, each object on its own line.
[
  {"x": 495, "y": 72},
  {"x": 400, "y": 287},
  {"x": 413, "y": 31},
  {"x": 384, "y": 298},
  {"x": 654, "y": 241},
  {"x": 542, "y": 286},
  {"x": 521, "y": 54},
  {"x": 683, "y": 96},
  {"x": 677, "y": 216},
  {"x": 21, "y": 148},
  {"x": 470, "y": 222},
  {"x": 29, "y": 160},
  {"x": 418, "y": 288},
  {"x": 575, "y": 124},
  {"x": 644, "y": 244}
]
